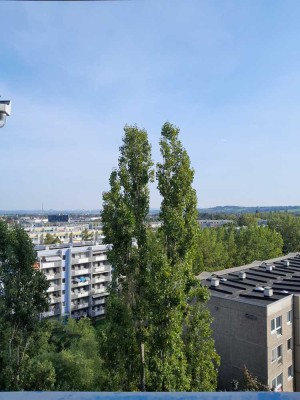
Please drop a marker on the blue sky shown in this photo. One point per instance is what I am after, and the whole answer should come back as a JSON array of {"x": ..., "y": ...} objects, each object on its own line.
[{"x": 226, "y": 72}]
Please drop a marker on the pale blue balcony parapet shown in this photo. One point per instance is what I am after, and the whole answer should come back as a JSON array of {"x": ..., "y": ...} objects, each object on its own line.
[{"x": 147, "y": 396}]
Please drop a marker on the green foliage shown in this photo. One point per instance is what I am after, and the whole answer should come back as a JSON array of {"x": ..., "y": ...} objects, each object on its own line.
[
  {"x": 22, "y": 298},
  {"x": 202, "y": 359},
  {"x": 87, "y": 235},
  {"x": 125, "y": 209},
  {"x": 179, "y": 233},
  {"x": 247, "y": 220},
  {"x": 178, "y": 209},
  {"x": 226, "y": 247},
  {"x": 250, "y": 383},
  {"x": 143, "y": 339},
  {"x": 51, "y": 239},
  {"x": 39, "y": 375},
  {"x": 78, "y": 364},
  {"x": 67, "y": 358},
  {"x": 289, "y": 227}
]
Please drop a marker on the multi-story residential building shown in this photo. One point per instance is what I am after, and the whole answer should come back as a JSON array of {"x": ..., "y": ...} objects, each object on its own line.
[
  {"x": 79, "y": 277},
  {"x": 64, "y": 233},
  {"x": 256, "y": 311}
]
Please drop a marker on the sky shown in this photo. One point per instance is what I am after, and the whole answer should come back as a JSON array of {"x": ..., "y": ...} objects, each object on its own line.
[{"x": 227, "y": 73}]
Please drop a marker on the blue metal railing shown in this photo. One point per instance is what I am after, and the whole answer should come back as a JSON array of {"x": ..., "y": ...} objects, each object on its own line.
[{"x": 147, "y": 396}]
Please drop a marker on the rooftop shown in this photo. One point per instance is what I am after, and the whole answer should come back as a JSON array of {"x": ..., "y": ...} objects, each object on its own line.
[{"x": 262, "y": 282}]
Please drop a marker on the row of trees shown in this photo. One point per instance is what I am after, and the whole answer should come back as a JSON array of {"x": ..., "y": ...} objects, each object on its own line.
[
  {"x": 156, "y": 334},
  {"x": 226, "y": 247},
  {"x": 232, "y": 245}
]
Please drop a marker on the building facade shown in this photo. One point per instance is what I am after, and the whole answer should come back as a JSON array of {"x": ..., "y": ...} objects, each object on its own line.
[
  {"x": 256, "y": 311},
  {"x": 79, "y": 277}
]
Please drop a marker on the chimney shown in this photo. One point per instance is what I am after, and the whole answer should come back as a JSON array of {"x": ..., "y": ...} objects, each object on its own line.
[
  {"x": 269, "y": 267},
  {"x": 242, "y": 275},
  {"x": 286, "y": 263},
  {"x": 268, "y": 291},
  {"x": 214, "y": 282}
]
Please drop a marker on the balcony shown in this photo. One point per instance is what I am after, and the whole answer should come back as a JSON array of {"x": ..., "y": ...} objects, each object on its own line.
[
  {"x": 54, "y": 288},
  {"x": 98, "y": 291},
  {"x": 78, "y": 314},
  {"x": 101, "y": 257},
  {"x": 53, "y": 276},
  {"x": 54, "y": 300},
  {"x": 79, "y": 306},
  {"x": 98, "y": 302},
  {"x": 79, "y": 260},
  {"x": 103, "y": 268},
  {"x": 79, "y": 284},
  {"x": 97, "y": 313},
  {"x": 79, "y": 295},
  {"x": 82, "y": 271},
  {"x": 54, "y": 264},
  {"x": 101, "y": 279},
  {"x": 51, "y": 313}
]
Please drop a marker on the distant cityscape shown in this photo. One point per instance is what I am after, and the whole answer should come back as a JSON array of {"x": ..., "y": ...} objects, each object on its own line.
[{"x": 211, "y": 210}]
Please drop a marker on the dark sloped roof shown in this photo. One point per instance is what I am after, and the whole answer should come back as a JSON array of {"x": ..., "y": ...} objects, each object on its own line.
[{"x": 282, "y": 278}]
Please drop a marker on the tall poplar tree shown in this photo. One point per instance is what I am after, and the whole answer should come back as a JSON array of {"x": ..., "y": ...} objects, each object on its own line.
[
  {"x": 125, "y": 208},
  {"x": 155, "y": 314},
  {"x": 179, "y": 233}
]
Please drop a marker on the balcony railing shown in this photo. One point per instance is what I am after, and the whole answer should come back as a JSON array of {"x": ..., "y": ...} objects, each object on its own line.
[
  {"x": 51, "y": 313},
  {"x": 97, "y": 291},
  {"x": 79, "y": 306},
  {"x": 97, "y": 313},
  {"x": 55, "y": 300},
  {"x": 98, "y": 302},
  {"x": 101, "y": 279},
  {"x": 53, "y": 276},
  {"x": 53, "y": 264},
  {"x": 54, "y": 288},
  {"x": 79, "y": 284},
  {"x": 101, "y": 257},
  {"x": 79, "y": 295},
  {"x": 83, "y": 260},
  {"x": 103, "y": 268},
  {"x": 80, "y": 271}
]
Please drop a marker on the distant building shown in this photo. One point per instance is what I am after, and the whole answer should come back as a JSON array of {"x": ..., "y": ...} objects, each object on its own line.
[
  {"x": 58, "y": 218},
  {"x": 256, "y": 311},
  {"x": 79, "y": 277},
  {"x": 65, "y": 233},
  {"x": 213, "y": 223}
]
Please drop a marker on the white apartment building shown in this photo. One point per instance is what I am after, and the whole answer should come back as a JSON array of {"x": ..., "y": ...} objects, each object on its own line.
[
  {"x": 65, "y": 233},
  {"x": 79, "y": 276}
]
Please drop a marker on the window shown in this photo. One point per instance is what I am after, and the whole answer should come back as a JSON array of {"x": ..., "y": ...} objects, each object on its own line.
[
  {"x": 289, "y": 317},
  {"x": 290, "y": 371},
  {"x": 289, "y": 344},
  {"x": 276, "y": 325},
  {"x": 277, "y": 353},
  {"x": 277, "y": 383}
]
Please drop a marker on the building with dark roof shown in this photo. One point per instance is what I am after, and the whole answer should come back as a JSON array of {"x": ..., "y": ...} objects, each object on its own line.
[{"x": 256, "y": 311}]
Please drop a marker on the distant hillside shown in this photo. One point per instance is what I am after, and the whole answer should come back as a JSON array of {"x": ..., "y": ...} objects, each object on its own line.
[{"x": 248, "y": 210}]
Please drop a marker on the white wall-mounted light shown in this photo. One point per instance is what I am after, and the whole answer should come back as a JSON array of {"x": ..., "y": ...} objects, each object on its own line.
[{"x": 5, "y": 110}]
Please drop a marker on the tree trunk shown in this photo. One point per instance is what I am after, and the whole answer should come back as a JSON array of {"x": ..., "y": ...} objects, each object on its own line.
[{"x": 143, "y": 375}]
